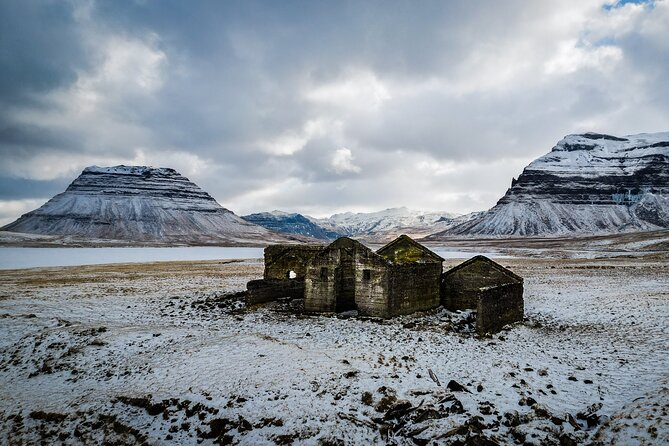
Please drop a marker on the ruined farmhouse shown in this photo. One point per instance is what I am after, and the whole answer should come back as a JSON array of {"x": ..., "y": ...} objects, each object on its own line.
[
  {"x": 481, "y": 284},
  {"x": 402, "y": 277}
]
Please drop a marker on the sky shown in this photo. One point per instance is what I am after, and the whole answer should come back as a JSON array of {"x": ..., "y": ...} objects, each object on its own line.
[{"x": 320, "y": 107}]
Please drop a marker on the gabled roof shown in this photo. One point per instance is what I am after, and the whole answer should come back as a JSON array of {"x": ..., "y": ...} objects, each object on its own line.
[
  {"x": 346, "y": 243},
  {"x": 279, "y": 251},
  {"x": 412, "y": 250},
  {"x": 492, "y": 263}
]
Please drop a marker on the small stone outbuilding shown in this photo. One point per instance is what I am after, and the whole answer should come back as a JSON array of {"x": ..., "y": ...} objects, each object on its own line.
[
  {"x": 285, "y": 268},
  {"x": 414, "y": 271},
  {"x": 400, "y": 278},
  {"x": 288, "y": 261},
  {"x": 493, "y": 291}
]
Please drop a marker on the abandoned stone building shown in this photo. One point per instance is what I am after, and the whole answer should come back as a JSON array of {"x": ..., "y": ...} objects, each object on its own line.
[
  {"x": 285, "y": 268},
  {"x": 402, "y": 277},
  {"x": 493, "y": 291}
]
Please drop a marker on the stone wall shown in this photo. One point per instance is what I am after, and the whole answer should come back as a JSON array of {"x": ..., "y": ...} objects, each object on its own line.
[
  {"x": 372, "y": 276},
  {"x": 347, "y": 276},
  {"x": 414, "y": 287},
  {"x": 267, "y": 290},
  {"x": 280, "y": 260},
  {"x": 498, "y": 306},
  {"x": 319, "y": 282},
  {"x": 459, "y": 289}
]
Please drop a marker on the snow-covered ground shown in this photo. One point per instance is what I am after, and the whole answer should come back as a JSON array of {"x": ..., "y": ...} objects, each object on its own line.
[{"x": 161, "y": 353}]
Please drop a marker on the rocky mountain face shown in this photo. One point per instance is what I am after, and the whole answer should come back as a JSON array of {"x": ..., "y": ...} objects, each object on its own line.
[
  {"x": 142, "y": 204},
  {"x": 291, "y": 223},
  {"x": 588, "y": 183},
  {"x": 373, "y": 226},
  {"x": 389, "y": 221}
]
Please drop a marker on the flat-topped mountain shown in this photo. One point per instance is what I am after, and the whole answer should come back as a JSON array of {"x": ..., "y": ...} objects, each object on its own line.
[
  {"x": 143, "y": 204},
  {"x": 588, "y": 183}
]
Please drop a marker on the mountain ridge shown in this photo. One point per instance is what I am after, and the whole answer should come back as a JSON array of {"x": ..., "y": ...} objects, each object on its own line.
[
  {"x": 376, "y": 226},
  {"x": 589, "y": 183},
  {"x": 143, "y": 204}
]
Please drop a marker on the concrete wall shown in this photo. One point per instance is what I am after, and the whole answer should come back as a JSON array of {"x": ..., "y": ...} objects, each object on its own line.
[
  {"x": 372, "y": 288},
  {"x": 336, "y": 278},
  {"x": 281, "y": 259},
  {"x": 414, "y": 287},
  {"x": 319, "y": 283},
  {"x": 267, "y": 290},
  {"x": 499, "y": 306},
  {"x": 459, "y": 289}
]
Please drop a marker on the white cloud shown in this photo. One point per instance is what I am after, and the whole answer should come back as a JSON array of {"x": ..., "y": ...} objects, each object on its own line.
[
  {"x": 355, "y": 90},
  {"x": 10, "y": 210},
  {"x": 342, "y": 161},
  {"x": 129, "y": 66},
  {"x": 439, "y": 108},
  {"x": 571, "y": 58},
  {"x": 291, "y": 141}
]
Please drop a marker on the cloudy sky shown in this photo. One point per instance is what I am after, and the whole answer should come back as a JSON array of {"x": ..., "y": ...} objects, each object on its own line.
[{"x": 320, "y": 106}]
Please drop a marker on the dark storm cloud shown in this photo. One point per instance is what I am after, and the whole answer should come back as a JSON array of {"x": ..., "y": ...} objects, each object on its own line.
[
  {"x": 19, "y": 188},
  {"x": 304, "y": 104},
  {"x": 31, "y": 136},
  {"x": 39, "y": 49}
]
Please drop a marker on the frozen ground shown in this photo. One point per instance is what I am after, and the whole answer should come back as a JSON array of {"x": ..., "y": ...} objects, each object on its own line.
[{"x": 162, "y": 353}]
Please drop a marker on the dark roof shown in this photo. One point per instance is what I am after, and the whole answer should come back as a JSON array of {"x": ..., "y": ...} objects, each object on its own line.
[
  {"x": 279, "y": 250},
  {"x": 405, "y": 239},
  {"x": 345, "y": 243},
  {"x": 492, "y": 263}
]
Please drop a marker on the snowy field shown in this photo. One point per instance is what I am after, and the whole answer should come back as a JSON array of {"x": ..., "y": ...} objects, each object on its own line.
[{"x": 164, "y": 353}]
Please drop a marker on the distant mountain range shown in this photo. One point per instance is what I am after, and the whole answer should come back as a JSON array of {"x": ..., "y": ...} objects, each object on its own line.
[
  {"x": 291, "y": 223},
  {"x": 588, "y": 184},
  {"x": 141, "y": 204},
  {"x": 374, "y": 226}
]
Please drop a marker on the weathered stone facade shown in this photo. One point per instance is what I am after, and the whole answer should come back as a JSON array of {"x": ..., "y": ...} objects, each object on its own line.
[
  {"x": 494, "y": 291},
  {"x": 267, "y": 290},
  {"x": 346, "y": 275},
  {"x": 281, "y": 260},
  {"x": 414, "y": 271},
  {"x": 499, "y": 306},
  {"x": 403, "y": 277}
]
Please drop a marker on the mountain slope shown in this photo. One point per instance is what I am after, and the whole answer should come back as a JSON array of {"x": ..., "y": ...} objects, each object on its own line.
[
  {"x": 588, "y": 183},
  {"x": 138, "y": 203},
  {"x": 291, "y": 223},
  {"x": 389, "y": 221},
  {"x": 373, "y": 227}
]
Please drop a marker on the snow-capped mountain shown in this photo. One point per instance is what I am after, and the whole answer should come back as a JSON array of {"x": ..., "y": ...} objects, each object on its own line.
[
  {"x": 373, "y": 226},
  {"x": 393, "y": 220},
  {"x": 139, "y": 203},
  {"x": 588, "y": 183},
  {"x": 291, "y": 223}
]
